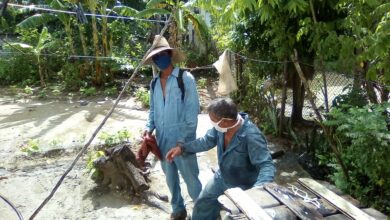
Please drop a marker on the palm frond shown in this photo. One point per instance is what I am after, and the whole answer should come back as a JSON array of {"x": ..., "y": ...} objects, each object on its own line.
[
  {"x": 200, "y": 27},
  {"x": 125, "y": 11},
  {"x": 150, "y": 12},
  {"x": 36, "y": 20},
  {"x": 154, "y": 3}
]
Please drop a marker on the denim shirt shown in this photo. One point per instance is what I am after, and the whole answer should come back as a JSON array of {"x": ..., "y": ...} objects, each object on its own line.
[
  {"x": 171, "y": 116},
  {"x": 245, "y": 162}
]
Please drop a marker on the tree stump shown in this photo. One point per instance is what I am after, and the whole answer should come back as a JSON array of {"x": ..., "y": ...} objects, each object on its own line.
[{"x": 120, "y": 170}]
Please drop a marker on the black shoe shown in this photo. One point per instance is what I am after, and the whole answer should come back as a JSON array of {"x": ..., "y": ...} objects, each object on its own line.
[{"x": 179, "y": 216}]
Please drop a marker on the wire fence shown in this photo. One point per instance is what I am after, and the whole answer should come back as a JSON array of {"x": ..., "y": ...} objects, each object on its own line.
[
  {"x": 324, "y": 90},
  {"x": 336, "y": 85}
]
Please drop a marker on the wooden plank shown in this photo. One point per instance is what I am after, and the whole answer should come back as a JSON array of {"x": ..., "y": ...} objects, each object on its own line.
[
  {"x": 343, "y": 195},
  {"x": 292, "y": 202},
  {"x": 262, "y": 197},
  {"x": 324, "y": 207},
  {"x": 281, "y": 213},
  {"x": 341, "y": 204},
  {"x": 228, "y": 204},
  {"x": 246, "y": 204},
  {"x": 259, "y": 195},
  {"x": 373, "y": 212}
]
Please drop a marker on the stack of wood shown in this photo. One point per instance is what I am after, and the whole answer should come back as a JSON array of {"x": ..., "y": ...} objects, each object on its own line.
[{"x": 306, "y": 199}]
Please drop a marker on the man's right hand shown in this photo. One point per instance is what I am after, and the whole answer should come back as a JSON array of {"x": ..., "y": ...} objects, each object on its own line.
[{"x": 172, "y": 153}]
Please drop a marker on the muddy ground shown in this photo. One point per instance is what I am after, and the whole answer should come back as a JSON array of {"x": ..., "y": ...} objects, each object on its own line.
[{"x": 62, "y": 126}]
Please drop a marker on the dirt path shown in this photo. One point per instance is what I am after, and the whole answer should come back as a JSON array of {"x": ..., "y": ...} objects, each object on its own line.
[{"x": 26, "y": 180}]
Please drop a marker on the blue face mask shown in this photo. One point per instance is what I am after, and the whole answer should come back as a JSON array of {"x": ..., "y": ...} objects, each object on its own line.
[{"x": 162, "y": 61}]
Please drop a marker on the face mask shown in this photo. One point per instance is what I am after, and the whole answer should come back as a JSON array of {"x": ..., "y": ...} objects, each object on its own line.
[
  {"x": 162, "y": 61},
  {"x": 223, "y": 130}
]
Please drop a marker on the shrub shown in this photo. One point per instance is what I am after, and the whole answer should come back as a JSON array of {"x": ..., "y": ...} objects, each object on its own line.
[
  {"x": 88, "y": 91},
  {"x": 364, "y": 141},
  {"x": 142, "y": 95},
  {"x": 202, "y": 83}
]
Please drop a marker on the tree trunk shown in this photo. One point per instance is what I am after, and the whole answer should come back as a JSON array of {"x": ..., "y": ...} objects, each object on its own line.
[
  {"x": 173, "y": 40},
  {"x": 106, "y": 48},
  {"x": 98, "y": 70},
  {"x": 41, "y": 76},
  {"x": 305, "y": 84},
  {"x": 284, "y": 98},
  {"x": 85, "y": 66}
]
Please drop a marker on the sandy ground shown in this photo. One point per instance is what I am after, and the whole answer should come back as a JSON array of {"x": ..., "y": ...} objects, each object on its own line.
[{"x": 27, "y": 180}]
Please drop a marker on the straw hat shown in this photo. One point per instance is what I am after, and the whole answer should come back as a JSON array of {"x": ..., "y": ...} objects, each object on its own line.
[{"x": 161, "y": 45}]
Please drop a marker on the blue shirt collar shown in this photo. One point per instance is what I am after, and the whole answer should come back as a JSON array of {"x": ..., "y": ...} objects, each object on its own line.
[{"x": 175, "y": 72}]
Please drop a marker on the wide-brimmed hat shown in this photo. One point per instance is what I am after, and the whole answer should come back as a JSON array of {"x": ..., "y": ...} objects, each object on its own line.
[{"x": 161, "y": 45}]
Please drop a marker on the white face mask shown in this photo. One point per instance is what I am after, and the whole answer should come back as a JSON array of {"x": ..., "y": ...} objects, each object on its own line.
[{"x": 223, "y": 130}]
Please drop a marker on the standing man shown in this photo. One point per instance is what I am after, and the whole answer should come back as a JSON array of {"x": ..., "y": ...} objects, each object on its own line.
[
  {"x": 174, "y": 108},
  {"x": 243, "y": 156}
]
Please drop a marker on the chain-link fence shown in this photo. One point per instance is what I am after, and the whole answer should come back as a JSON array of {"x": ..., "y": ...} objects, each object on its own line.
[
  {"x": 325, "y": 86},
  {"x": 325, "y": 91}
]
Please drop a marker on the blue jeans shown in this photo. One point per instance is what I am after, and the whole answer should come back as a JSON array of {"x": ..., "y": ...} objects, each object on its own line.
[
  {"x": 187, "y": 165},
  {"x": 207, "y": 206}
]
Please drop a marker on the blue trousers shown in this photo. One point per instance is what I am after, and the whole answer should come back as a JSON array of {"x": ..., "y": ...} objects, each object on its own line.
[
  {"x": 187, "y": 165},
  {"x": 207, "y": 206}
]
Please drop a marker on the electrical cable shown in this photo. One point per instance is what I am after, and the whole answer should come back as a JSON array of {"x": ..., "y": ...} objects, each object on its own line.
[{"x": 13, "y": 207}]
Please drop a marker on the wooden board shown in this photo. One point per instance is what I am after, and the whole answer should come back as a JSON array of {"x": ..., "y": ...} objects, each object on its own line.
[
  {"x": 373, "y": 212},
  {"x": 228, "y": 205},
  {"x": 286, "y": 197},
  {"x": 324, "y": 207},
  {"x": 343, "y": 195},
  {"x": 246, "y": 204},
  {"x": 339, "y": 203},
  {"x": 281, "y": 213},
  {"x": 259, "y": 195},
  {"x": 262, "y": 197}
]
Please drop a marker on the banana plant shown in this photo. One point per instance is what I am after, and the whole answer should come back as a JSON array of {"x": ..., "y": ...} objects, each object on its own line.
[
  {"x": 182, "y": 14},
  {"x": 43, "y": 42}
]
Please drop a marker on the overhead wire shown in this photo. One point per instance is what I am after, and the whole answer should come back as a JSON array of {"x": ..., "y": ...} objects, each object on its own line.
[{"x": 87, "y": 14}]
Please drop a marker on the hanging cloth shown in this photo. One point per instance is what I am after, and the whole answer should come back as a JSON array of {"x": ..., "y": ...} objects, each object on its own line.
[{"x": 227, "y": 83}]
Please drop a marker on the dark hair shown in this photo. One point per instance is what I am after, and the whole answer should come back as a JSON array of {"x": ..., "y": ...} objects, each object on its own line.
[
  {"x": 168, "y": 51},
  {"x": 223, "y": 108}
]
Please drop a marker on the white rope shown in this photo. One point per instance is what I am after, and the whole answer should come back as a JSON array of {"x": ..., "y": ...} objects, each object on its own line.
[{"x": 303, "y": 194}]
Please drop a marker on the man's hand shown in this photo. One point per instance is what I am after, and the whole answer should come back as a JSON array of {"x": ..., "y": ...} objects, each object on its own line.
[{"x": 172, "y": 153}]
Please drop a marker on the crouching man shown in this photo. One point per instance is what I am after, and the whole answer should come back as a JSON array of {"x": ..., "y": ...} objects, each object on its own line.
[{"x": 243, "y": 156}]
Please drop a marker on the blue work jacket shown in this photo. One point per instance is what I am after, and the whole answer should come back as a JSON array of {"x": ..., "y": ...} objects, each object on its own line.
[
  {"x": 174, "y": 119},
  {"x": 245, "y": 162}
]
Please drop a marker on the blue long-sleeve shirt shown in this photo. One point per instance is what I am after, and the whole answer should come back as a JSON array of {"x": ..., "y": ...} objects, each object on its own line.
[
  {"x": 245, "y": 162},
  {"x": 174, "y": 119}
]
